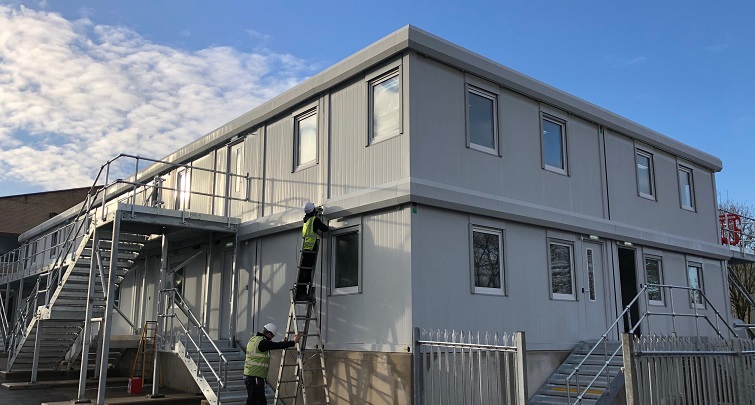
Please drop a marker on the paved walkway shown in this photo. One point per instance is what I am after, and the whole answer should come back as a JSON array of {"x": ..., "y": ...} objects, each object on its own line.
[{"x": 63, "y": 392}]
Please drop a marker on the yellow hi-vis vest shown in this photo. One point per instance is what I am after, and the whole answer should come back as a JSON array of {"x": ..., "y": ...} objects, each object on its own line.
[
  {"x": 257, "y": 363},
  {"x": 308, "y": 234}
]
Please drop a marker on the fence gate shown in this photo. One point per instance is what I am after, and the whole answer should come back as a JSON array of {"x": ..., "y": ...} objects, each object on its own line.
[
  {"x": 453, "y": 367},
  {"x": 689, "y": 370}
]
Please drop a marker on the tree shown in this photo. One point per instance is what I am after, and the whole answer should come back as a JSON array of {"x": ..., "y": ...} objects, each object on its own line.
[{"x": 744, "y": 271}]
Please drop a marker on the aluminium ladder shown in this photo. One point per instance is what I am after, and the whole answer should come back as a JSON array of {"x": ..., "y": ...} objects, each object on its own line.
[{"x": 300, "y": 317}]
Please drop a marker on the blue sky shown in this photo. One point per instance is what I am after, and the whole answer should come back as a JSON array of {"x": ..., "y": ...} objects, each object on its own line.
[{"x": 84, "y": 80}]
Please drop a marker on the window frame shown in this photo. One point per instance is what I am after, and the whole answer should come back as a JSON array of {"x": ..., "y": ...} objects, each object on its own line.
[
  {"x": 480, "y": 91},
  {"x": 185, "y": 174},
  {"x": 564, "y": 147},
  {"x": 690, "y": 175},
  {"x": 54, "y": 243},
  {"x": 297, "y": 117},
  {"x": 592, "y": 291},
  {"x": 561, "y": 296},
  {"x": 659, "y": 259},
  {"x": 374, "y": 80},
  {"x": 333, "y": 235},
  {"x": 502, "y": 290},
  {"x": 237, "y": 153},
  {"x": 651, "y": 173},
  {"x": 692, "y": 302}
]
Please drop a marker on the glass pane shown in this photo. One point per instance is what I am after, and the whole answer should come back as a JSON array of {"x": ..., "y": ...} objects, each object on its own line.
[
  {"x": 591, "y": 274},
  {"x": 487, "y": 262},
  {"x": 685, "y": 188},
  {"x": 643, "y": 174},
  {"x": 561, "y": 274},
  {"x": 693, "y": 277},
  {"x": 481, "y": 121},
  {"x": 347, "y": 260},
  {"x": 653, "y": 276},
  {"x": 553, "y": 147},
  {"x": 307, "y": 139},
  {"x": 386, "y": 115}
]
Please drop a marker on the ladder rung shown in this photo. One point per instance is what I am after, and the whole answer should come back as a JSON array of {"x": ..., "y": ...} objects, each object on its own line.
[
  {"x": 305, "y": 318},
  {"x": 287, "y": 381},
  {"x": 287, "y": 397}
]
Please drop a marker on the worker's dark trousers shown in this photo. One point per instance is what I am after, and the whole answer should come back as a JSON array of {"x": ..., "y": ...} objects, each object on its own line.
[{"x": 255, "y": 390}]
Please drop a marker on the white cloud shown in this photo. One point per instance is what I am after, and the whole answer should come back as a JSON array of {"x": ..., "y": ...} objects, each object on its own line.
[
  {"x": 618, "y": 61},
  {"x": 74, "y": 94}
]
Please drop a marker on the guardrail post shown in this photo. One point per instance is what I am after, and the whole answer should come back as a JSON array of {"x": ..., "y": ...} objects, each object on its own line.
[
  {"x": 159, "y": 311},
  {"x": 630, "y": 374},
  {"x": 417, "y": 370},
  {"x": 740, "y": 379},
  {"x": 521, "y": 368},
  {"x": 108, "y": 314},
  {"x": 37, "y": 348}
]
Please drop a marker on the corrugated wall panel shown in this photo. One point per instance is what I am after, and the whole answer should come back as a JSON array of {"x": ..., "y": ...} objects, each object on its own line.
[
  {"x": 355, "y": 166},
  {"x": 381, "y": 314},
  {"x": 201, "y": 182},
  {"x": 278, "y": 255}
]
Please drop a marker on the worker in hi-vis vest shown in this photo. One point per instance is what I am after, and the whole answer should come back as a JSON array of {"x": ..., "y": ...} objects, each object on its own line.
[
  {"x": 257, "y": 362},
  {"x": 312, "y": 224},
  {"x": 310, "y": 242}
]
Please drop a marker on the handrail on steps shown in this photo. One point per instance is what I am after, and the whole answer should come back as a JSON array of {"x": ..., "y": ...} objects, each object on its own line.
[
  {"x": 172, "y": 294},
  {"x": 646, "y": 315}
]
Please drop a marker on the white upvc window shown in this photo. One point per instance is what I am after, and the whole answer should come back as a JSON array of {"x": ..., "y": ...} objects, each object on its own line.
[
  {"x": 695, "y": 280},
  {"x": 654, "y": 275},
  {"x": 482, "y": 120},
  {"x": 686, "y": 188},
  {"x": 487, "y": 261},
  {"x": 305, "y": 139},
  {"x": 346, "y": 260},
  {"x": 183, "y": 189},
  {"x": 553, "y": 144},
  {"x": 645, "y": 175},
  {"x": 561, "y": 269},
  {"x": 385, "y": 106}
]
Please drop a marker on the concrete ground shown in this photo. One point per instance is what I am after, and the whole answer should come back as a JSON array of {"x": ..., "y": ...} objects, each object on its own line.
[{"x": 63, "y": 392}]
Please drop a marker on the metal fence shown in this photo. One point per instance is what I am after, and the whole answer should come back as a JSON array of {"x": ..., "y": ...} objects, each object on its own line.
[
  {"x": 689, "y": 370},
  {"x": 461, "y": 367}
]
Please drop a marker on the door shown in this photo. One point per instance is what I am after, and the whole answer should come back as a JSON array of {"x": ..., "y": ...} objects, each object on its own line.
[
  {"x": 628, "y": 278},
  {"x": 593, "y": 290}
]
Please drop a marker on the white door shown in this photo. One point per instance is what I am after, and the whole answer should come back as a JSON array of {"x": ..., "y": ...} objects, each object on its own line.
[{"x": 593, "y": 290}]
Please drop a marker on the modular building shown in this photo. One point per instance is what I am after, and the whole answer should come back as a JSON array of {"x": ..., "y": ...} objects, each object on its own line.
[{"x": 460, "y": 194}]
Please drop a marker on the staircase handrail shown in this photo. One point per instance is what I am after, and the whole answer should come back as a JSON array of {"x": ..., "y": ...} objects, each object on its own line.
[
  {"x": 3, "y": 321},
  {"x": 604, "y": 336},
  {"x": 734, "y": 279},
  {"x": 173, "y": 293}
]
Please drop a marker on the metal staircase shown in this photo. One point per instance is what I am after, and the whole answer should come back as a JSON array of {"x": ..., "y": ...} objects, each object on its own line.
[
  {"x": 53, "y": 328},
  {"x": 594, "y": 373},
  {"x": 556, "y": 391}
]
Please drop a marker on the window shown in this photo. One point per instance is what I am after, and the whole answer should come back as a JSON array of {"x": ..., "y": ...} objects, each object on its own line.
[
  {"x": 686, "y": 188},
  {"x": 554, "y": 144},
  {"x": 305, "y": 133},
  {"x": 183, "y": 190},
  {"x": 238, "y": 155},
  {"x": 561, "y": 263},
  {"x": 487, "y": 261},
  {"x": 645, "y": 186},
  {"x": 346, "y": 261},
  {"x": 482, "y": 122},
  {"x": 385, "y": 106},
  {"x": 654, "y": 275},
  {"x": 695, "y": 280},
  {"x": 53, "y": 244},
  {"x": 590, "y": 273}
]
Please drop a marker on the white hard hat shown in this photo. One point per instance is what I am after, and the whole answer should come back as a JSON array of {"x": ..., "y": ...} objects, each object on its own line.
[
  {"x": 308, "y": 207},
  {"x": 270, "y": 327}
]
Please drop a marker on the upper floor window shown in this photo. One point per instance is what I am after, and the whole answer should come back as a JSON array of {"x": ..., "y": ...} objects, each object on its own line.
[
  {"x": 554, "y": 144},
  {"x": 561, "y": 266},
  {"x": 53, "y": 243},
  {"x": 238, "y": 160},
  {"x": 482, "y": 120},
  {"x": 654, "y": 275},
  {"x": 695, "y": 280},
  {"x": 305, "y": 134},
  {"x": 183, "y": 190},
  {"x": 686, "y": 188},
  {"x": 385, "y": 105},
  {"x": 645, "y": 183},
  {"x": 346, "y": 261},
  {"x": 487, "y": 261}
]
